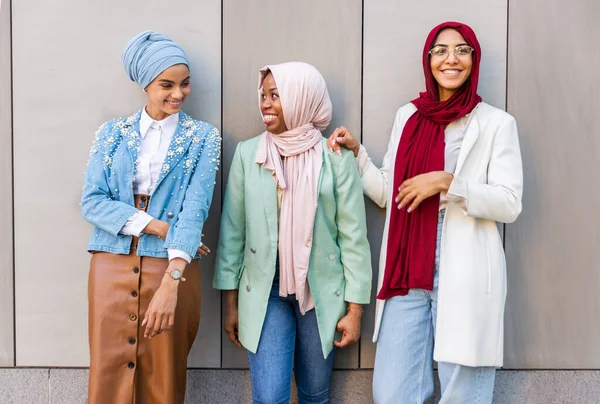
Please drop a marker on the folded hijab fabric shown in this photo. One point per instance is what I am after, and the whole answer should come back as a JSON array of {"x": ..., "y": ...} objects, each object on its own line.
[
  {"x": 410, "y": 258},
  {"x": 149, "y": 54},
  {"x": 307, "y": 111}
]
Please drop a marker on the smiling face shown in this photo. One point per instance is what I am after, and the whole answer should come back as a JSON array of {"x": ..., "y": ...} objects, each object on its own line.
[
  {"x": 450, "y": 72},
  {"x": 168, "y": 91},
  {"x": 270, "y": 106}
]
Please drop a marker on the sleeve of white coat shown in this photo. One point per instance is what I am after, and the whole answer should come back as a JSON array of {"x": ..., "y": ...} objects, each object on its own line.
[
  {"x": 375, "y": 181},
  {"x": 500, "y": 198}
]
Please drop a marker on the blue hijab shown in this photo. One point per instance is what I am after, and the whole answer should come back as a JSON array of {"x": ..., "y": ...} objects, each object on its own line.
[{"x": 149, "y": 54}]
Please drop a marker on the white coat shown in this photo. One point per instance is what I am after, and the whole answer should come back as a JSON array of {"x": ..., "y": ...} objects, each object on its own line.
[{"x": 487, "y": 188}]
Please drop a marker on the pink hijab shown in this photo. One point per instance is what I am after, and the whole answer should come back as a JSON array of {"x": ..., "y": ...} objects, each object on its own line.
[{"x": 307, "y": 111}]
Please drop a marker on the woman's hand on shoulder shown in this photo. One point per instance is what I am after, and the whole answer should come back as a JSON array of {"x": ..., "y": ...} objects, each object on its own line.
[
  {"x": 415, "y": 190},
  {"x": 342, "y": 137},
  {"x": 349, "y": 326}
]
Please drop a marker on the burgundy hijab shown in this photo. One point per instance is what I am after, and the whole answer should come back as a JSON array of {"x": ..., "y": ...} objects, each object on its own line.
[{"x": 411, "y": 244}]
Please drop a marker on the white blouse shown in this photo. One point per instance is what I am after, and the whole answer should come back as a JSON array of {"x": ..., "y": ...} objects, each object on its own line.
[
  {"x": 155, "y": 137},
  {"x": 453, "y": 136}
]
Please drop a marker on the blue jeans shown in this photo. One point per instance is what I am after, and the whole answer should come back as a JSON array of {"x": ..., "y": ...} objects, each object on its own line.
[
  {"x": 289, "y": 340},
  {"x": 403, "y": 363}
]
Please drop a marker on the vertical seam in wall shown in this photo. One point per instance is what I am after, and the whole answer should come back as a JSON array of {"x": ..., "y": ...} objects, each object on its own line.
[
  {"x": 504, "y": 226},
  {"x": 362, "y": 58},
  {"x": 222, "y": 182},
  {"x": 49, "y": 398},
  {"x": 12, "y": 168}
]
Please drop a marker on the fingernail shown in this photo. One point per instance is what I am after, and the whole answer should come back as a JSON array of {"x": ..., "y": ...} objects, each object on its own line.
[
  {"x": 334, "y": 140},
  {"x": 338, "y": 152},
  {"x": 399, "y": 206},
  {"x": 409, "y": 210},
  {"x": 331, "y": 150}
]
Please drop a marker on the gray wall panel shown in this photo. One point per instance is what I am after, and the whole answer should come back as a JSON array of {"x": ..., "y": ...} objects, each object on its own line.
[
  {"x": 65, "y": 86},
  {"x": 325, "y": 34},
  {"x": 394, "y": 34},
  {"x": 554, "y": 274},
  {"x": 7, "y": 351}
]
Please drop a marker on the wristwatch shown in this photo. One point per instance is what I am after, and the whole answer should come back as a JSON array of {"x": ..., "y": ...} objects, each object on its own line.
[{"x": 176, "y": 274}]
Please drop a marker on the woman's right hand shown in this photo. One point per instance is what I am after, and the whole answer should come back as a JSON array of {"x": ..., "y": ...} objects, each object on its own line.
[
  {"x": 230, "y": 323},
  {"x": 342, "y": 137}
]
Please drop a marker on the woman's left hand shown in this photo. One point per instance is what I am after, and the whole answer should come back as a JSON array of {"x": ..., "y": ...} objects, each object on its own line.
[
  {"x": 349, "y": 327},
  {"x": 415, "y": 190},
  {"x": 160, "y": 315},
  {"x": 203, "y": 249}
]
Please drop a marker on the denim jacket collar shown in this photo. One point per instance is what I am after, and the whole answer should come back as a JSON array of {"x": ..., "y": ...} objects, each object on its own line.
[{"x": 182, "y": 139}]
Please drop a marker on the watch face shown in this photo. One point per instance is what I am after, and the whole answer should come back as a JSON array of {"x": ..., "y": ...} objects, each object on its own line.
[{"x": 176, "y": 274}]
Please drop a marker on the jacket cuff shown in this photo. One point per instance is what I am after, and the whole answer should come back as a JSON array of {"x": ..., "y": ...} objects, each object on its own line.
[
  {"x": 356, "y": 296},
  {"x": 136, "y": 224},
  {"x": 170, "y": 245},
  {"x": 128, "y": 212},
  {"x": 459, "y": 192},
  {"x": 175, "y": 253},
  {"x": 226, "y": 283}
]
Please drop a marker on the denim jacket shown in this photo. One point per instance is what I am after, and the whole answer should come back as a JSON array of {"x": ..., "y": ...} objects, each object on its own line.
[{"x": 182, "y": 196}]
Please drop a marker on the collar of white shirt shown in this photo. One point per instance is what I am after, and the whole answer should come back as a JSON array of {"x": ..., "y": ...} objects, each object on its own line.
[{"x": 168, "y": 125}]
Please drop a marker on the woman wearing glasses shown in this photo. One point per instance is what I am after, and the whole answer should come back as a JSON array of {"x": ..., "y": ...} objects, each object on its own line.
[{"x": 452, "y": 170}]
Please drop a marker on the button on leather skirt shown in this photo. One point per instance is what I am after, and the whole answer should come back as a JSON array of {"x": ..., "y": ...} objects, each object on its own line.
[{"x": 125, "y": 367}]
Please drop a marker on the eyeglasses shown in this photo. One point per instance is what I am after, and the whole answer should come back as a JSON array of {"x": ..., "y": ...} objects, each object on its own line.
[{"x": 441, "y": 52}]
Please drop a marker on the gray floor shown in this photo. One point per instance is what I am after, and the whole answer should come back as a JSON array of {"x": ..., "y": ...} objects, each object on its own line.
[{"x": 68, "y": 386}]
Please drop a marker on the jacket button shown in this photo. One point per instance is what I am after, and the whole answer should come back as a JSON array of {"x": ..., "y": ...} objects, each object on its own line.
[
  {"x": 252, "y": 250},
  {"x": 142, "y": 205},
  {"x": 133, "y": 293},
  {"x": 331, "y": 257},
  {"x": 338, "y": 292},
  {"x": 132, "y": 340},
  {"x": 248, "y": 288},
  {"x": 131, "y": 365},
  {"x": 170, "y": 215},
  {"x": 143, "y": 198},
  {"x": 132, "y": 317},
  {"x": 136, "y": 270}
]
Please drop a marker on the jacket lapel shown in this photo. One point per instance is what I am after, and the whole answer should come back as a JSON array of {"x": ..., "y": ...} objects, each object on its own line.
[
  {"x": 180, "y": 142},
  {"x": 471, "y": 135},
  {"x": 269, "y": 192},
  {"x": 130, "y": 134}
]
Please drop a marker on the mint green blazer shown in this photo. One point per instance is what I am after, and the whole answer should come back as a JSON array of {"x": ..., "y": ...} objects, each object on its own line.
[{"x": 340, "y": 263}]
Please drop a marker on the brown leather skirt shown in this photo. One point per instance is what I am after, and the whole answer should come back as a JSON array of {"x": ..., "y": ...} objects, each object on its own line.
[{"x": 125, "y": 367}]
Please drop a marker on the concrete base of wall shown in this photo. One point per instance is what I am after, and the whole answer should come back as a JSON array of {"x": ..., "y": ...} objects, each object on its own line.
[{"x": 219, "y": 386}]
